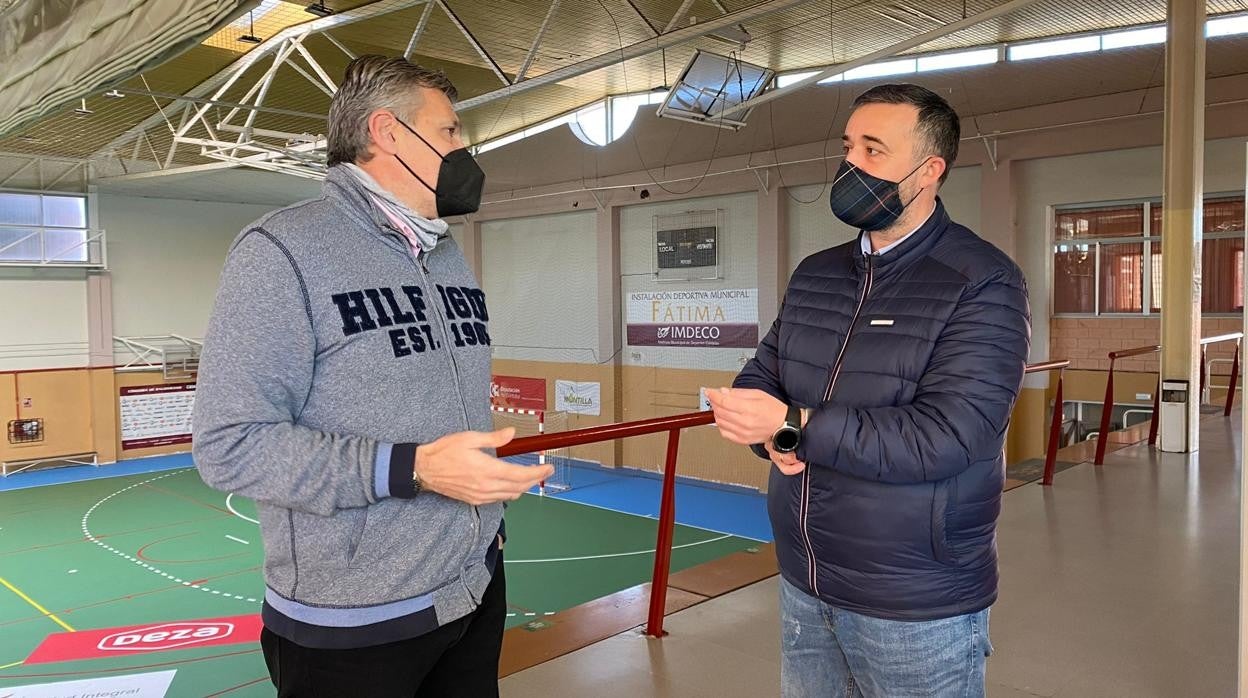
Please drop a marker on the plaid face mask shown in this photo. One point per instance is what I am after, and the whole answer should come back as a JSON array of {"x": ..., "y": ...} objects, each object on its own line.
[{"x": 866, "y": 202}]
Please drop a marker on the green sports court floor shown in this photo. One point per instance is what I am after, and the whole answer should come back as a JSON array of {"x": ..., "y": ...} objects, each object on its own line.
[{"x": 151, "y": 548}]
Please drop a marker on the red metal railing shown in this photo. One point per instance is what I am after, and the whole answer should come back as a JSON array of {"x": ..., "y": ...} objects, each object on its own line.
[
  {"x": 1102, "y": 437},
  {"x": 1055, "y": 423},
  {"x": 667, "y": 507},
  {"x": 1230, "y": 390},
  {"x": 1107, "y": 407}
]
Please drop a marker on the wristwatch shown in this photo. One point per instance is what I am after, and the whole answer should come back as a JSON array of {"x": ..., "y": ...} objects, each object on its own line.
[
  {"x": 789, "y": 436},
  {"x": 416, "y": 483}
]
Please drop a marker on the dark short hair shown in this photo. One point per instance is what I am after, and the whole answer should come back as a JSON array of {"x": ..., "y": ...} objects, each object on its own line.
[
  {"x": 938, "y": 126},
  {"x": 372, "y": 83}
]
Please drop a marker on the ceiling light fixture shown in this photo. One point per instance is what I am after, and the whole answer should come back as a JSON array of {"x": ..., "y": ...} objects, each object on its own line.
[
  {"x": 737, "y": 36},
  {"x": 319, "y": 9}
]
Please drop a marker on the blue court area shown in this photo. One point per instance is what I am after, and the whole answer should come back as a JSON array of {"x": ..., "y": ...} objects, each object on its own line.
[
  {"x": 729, "y": 509},
  {"x": 82, "y": 473}
]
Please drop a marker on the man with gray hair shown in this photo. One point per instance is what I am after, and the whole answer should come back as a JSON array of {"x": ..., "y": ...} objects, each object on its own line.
[{"x": 344, "y": 386}]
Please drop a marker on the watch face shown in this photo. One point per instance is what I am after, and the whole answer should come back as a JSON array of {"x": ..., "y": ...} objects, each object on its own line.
[{"x": 786, "y": 439}]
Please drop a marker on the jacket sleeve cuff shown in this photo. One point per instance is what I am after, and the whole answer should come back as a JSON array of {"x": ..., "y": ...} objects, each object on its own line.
[
  {"x": 395, "y": 463},
  {"x": 381, "y": 471},
  {"x": 822, "y": 435},
  {"x": 743, "y": 381}
]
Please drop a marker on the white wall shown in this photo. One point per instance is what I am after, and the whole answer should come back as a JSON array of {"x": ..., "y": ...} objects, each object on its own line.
[
  {"x": 738, "y": 247},
  {"x": 1076, "y": 179},
  {"x": 812, "y": 227},
  {"x": 45, "y": 318},
  {"x": 540, "y": 280},
  {"x": 165, "y": 256}
]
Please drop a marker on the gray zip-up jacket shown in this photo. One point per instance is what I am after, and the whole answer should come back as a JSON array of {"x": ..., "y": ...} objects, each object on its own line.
[{"x": 331, "y": 353}]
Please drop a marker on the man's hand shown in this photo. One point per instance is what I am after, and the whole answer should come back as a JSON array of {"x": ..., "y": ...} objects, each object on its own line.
[
  {"x": 746, "y": 416},
  {"x": 454, "y": 466},
  {"x": 786, "y": 463}
]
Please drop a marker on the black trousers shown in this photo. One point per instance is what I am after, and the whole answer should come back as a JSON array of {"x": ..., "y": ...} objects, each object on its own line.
[{"x": 458, "y": 659}]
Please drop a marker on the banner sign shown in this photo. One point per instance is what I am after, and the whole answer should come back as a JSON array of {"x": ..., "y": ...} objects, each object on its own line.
[
  {"x": 143, "y": 639},
  {"x": 727, "y": 318},
  {"x": 156, "y": 415},
  {"x": 518, "y": 393},
  {"x": 578, "y": 398}
]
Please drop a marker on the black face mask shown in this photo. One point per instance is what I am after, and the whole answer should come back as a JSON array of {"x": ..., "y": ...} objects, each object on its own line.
[
  {"x": 460, "y": 179},
  {"x": 866, "y": 202}
]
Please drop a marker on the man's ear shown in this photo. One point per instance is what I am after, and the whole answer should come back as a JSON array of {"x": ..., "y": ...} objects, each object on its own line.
[
  {"x": 381, "y": 130},
  {"x": 933, "y": 170}
]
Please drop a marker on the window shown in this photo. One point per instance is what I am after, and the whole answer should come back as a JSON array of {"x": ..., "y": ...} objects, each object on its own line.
[
  {"x": 1222, "y": 275},
  {"x": 1122, "y": 277},
  {"x": 1074, "y": 265},
  {"x": 1103, "y": 255},
  {"x": 961, "y": 59},
  {"x": 590, "y": 124},
  {"x": 605, "y": 122},
  {"x": 1134, "y": 37},
  {"x": 1101, "y": 222},
  {"x": 39, "y": 228},
  {"x": 882, "y": 69},
  {"x": 1055, "y": 47}
]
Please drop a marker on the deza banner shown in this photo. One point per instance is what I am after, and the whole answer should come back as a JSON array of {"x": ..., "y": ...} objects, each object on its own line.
[{"x": 726, "y": 318}]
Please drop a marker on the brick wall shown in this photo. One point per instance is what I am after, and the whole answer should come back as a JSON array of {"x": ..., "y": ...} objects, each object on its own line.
[{"x": 1088, "y": 341}]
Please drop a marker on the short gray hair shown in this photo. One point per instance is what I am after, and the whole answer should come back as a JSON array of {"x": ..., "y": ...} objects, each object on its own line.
[{"x": 372, "y": 83}]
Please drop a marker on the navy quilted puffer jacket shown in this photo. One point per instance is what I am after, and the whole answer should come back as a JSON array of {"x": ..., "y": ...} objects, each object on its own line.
[{"x": 913, "y": 360}]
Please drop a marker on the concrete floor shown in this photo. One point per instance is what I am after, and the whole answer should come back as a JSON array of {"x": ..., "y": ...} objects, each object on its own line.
[{"x": 1118, "y": 581}]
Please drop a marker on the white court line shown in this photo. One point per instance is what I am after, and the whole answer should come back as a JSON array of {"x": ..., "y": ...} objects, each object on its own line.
[
  {"x": 722, "y": 535},
  {"x": 608, "y": 555},
  {"x": 230, "y": 506},
  {"x": 238, "y": 540},
  {"x": 86, "y": 531}
]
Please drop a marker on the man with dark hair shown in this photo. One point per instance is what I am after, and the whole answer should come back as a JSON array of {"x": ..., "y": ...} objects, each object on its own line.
[
  {"x": 881, "y": 395},
  {"x": 344, "y": 386}
]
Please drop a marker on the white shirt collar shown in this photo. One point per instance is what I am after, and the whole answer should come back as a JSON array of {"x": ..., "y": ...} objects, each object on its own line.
[{"x": 866, "y": 238}]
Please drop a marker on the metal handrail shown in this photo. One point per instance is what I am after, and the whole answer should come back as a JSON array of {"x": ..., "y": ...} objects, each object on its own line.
[
  {"x": 1204, "y": 368},
  {"x": 1055, "y": 424},
  {"x": 1107, "y": 408},
  {"x": 93, "y": 240},
  {"x": 667, "y": 507},
  {"x": 1209, "y": 374},
  {"x": 144, "y": 354}
]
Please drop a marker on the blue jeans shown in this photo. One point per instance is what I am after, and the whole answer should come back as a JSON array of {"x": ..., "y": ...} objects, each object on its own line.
[{"x": 827, "y": 651}]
